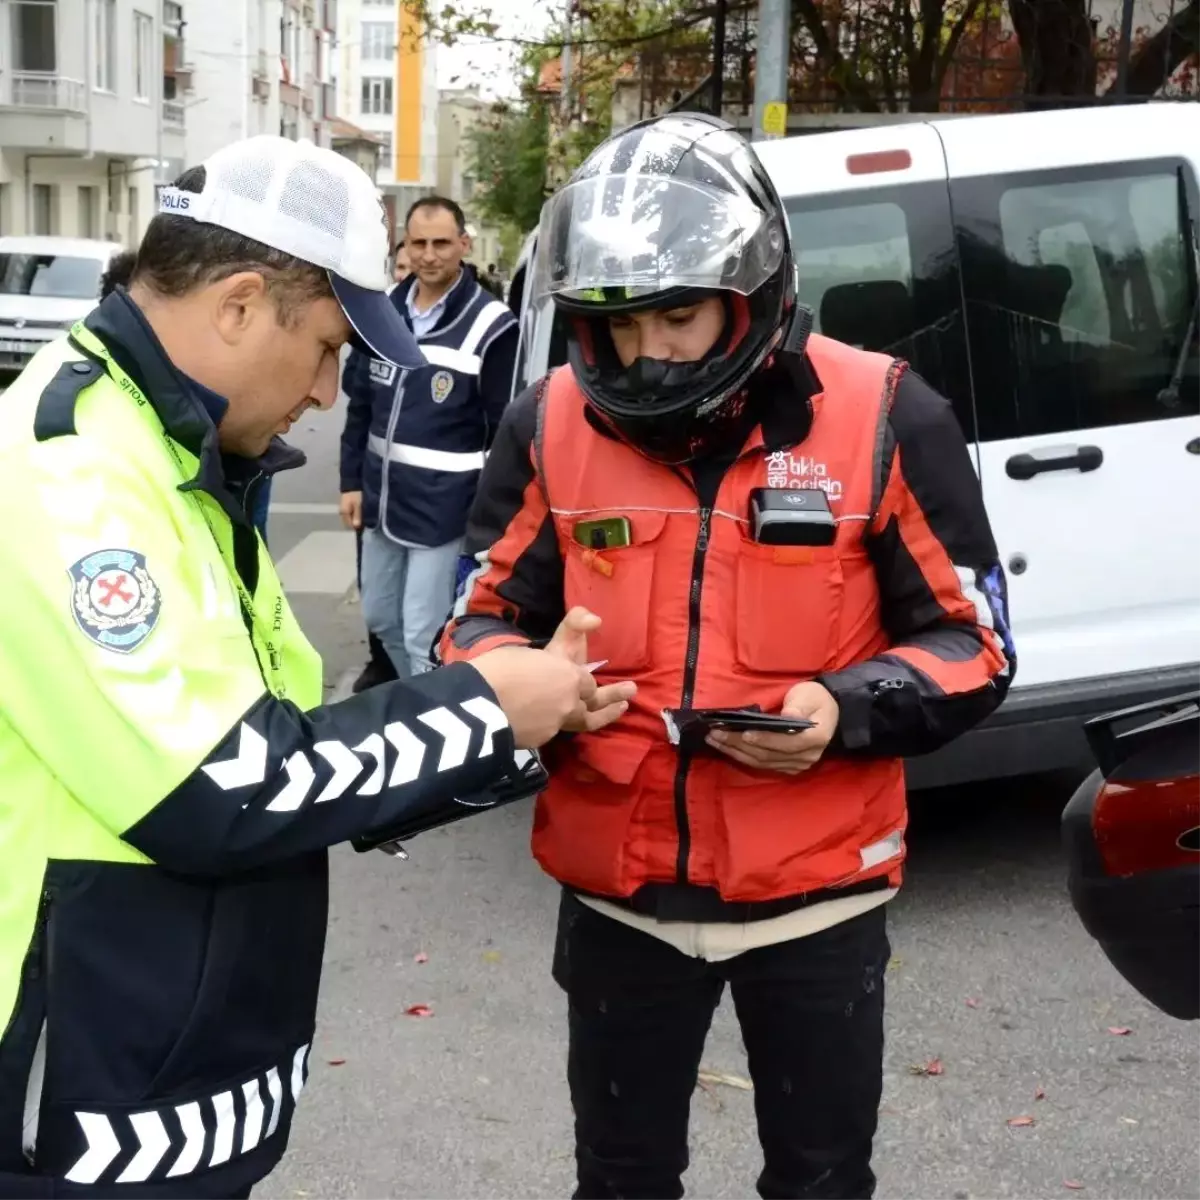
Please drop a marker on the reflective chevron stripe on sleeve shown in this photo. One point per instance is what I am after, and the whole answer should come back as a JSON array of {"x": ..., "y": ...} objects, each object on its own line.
[
  {"x": 169, "y": 1142},
  {"x": 250, "y": 766}
]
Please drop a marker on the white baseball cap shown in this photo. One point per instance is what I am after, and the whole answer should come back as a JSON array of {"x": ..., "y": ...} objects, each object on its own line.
[{"x": 319, "y": 207}]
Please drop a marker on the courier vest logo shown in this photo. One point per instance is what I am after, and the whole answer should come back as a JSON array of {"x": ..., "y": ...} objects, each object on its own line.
[
  {"x": 767, "y": 617},
  {"x": 788, "y": 470}
]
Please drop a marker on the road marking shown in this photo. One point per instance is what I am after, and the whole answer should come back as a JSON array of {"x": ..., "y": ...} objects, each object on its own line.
[
  {"x": 323, "y": 564},
  {"x": 289, "y": 508}
]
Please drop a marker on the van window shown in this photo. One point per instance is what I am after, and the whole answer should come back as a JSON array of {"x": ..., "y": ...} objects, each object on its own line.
[
  {"x": 63, "y": 276},
  {"x": 837, "y": 251},
  {"x": 1080, "y": 293},
  {"x": 878, "y": 269}
]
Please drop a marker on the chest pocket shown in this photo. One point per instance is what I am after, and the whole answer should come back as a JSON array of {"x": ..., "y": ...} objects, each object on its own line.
[
  {"x": 618, "y": 586},
  {"x": 788, "y": 607}
]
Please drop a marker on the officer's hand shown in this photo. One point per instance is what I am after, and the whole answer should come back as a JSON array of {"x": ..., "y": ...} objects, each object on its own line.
[
  {"x": 607, "y": 703},
  {"x": 539, "y": 691},
  {"x": 350, "y": 509},
  {"x": 789, "y": 753}
]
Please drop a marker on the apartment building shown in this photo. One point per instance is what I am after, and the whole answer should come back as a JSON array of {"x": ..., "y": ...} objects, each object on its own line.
[
  {"x": 388, "y": 87},
  {"x": 260, "y": 66},
  {"x": 460, "y": 111},
  {"x": 91, "y": 112}
]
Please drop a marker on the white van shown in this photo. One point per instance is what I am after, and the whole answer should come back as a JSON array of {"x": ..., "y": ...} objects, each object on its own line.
[
  {"x": 1041, "y": 270},
  {"x": 46, "y": 285}
]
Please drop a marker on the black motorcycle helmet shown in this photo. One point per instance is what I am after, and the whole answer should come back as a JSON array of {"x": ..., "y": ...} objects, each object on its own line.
[
  {"x": 663, "y": 215},
  {"x": 1132, "y": 838}
]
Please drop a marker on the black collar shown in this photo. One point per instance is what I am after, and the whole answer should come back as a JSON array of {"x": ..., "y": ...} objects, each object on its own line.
[
  {"x": 135, "y": 348},
  {"x": 781, "y": 393}
]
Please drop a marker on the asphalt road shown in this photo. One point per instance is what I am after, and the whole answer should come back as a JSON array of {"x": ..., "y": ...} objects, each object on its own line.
[{"x": 991, "y": 975}]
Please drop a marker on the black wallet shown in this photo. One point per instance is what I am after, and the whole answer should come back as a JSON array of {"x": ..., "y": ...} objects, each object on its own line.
[
  {"x": 526, "y": 778},
  {"x": 687, "y": 728}
]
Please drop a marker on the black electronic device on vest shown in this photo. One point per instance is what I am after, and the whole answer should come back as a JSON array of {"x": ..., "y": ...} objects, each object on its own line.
[{"x": 792, "y": 517}]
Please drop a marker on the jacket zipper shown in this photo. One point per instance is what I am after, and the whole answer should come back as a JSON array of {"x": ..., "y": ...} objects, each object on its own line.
[
  {"x": 689, "y": 687},
  {"x": 393, "y": 421}
]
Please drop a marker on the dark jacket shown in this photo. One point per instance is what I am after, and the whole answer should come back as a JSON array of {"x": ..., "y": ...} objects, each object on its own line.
[{"x": 414, "y": 441}]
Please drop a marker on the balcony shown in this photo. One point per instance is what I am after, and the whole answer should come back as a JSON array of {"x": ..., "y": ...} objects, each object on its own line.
[
  {"x": 42, "y": 111},
  {"x": 37, "y": 90}
]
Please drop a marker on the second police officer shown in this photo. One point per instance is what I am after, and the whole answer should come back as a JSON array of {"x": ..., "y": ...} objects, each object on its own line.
[{"x": 762, "y": 519}]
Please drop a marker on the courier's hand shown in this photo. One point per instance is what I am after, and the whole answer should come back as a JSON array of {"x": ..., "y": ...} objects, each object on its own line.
[
  {"x": 789, "y": 753},
  {"x": 605, "y": 704}
]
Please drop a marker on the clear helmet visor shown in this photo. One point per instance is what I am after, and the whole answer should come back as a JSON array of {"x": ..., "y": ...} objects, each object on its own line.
[{"x": 642, "y": 234}]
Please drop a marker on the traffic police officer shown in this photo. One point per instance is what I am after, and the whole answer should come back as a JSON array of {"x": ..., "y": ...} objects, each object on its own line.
[
  {"x": 764, "y": 521},
  {"x": 169, "y": 776}
]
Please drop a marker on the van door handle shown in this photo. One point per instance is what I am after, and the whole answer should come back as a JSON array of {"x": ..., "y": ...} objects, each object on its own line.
[{"x": 1054, "y": 458}]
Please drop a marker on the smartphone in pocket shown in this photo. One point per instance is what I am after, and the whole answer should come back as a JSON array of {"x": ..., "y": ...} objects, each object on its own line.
[{"x": 606, "y": 534}]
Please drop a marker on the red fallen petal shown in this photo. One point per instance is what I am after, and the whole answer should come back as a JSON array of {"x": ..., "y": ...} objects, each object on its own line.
[
  {"x": 1040, "y": 1094},
  {"x": 1021, "y": 1122},
  {"x": 337, "y": 1062},
  {"x": 1120, "y": 1030},
  {"x": 1073, "y": 1184},
  {"x": 418, "y": 1010},
  {"x": 420, "y": 957},
  {"x": 972, "y": 1002},
  {"x": 934, "y": 1067}
]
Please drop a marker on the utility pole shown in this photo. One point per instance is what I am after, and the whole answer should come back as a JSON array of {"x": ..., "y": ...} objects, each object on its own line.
[
  {"x": 718, "y": 67},
  {"x": 1124, "y": 49},
  {"x": 771, "y": 68},
  {"x": 565, "y": 97}
]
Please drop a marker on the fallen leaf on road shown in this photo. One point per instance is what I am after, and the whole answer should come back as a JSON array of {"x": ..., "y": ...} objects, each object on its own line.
[
  {"x": 1073, "y": 1184},
  {"x": 1120, "y": 1030},
  {"x": 418, "y": 1010},
  {"x": 932, "y": 1067},
  {"x": 1040, "y": 1094},
  {"x": 420, "y": 957},
  {"x": 972, "y": 1002},
  {"x": 491, "y": 956},
  {"x": 893, "y": 963},
  {"x": 723, "y": 1077},
  {"x": 1021, "y": 1122},
  {"x": 337, "y": 1062}
]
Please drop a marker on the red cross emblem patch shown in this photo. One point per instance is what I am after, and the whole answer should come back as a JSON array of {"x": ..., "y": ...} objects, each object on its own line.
[{"x": 115, "y": 601}]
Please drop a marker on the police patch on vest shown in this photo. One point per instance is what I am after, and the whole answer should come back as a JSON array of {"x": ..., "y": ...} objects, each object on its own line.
[
  {"x": 442, "y": 385},
  {"x": 115, "y": 601},
  {"x": 383, "y": 372}
]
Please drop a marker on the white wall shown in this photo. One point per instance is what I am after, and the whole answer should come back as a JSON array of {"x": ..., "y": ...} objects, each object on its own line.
[
  {"x": 224, "y": 39},
  {"x": 67, "y": 175}
]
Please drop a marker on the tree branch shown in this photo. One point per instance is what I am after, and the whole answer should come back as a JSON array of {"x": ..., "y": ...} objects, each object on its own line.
[{"x": 1160, "y": 56}]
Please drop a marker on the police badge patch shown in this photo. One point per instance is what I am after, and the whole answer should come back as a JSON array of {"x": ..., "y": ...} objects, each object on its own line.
[
  {"x": 442, "y": 385},
  {"x": 114, "y": 600}
]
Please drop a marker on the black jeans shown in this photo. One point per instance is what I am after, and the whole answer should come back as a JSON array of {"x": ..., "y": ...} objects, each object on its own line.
[{"x": 811, "y": 1013}]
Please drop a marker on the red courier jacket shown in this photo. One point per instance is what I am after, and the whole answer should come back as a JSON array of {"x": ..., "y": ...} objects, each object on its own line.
[{"x": 903, "y": 619}]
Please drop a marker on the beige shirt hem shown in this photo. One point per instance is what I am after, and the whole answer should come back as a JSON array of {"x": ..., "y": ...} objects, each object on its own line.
[{"x": 716, "y": 941}]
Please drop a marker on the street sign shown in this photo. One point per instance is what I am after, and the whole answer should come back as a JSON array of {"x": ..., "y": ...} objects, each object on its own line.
[{"x": 774, "y": 118}]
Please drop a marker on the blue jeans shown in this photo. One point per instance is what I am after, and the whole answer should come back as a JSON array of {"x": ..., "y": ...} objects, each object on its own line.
[{"x": 407, "y": 593}]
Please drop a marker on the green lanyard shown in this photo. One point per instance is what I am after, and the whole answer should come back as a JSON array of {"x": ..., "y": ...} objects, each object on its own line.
[{"x": 272, "y": 668}]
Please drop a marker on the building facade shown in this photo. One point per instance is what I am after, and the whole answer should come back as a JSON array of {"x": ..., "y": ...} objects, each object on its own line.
[
  {"x": 388, "y": 87},
  {"x": 260, "y": 66},
  {"x": 90, "y": 107},
  {"x": 460, "y": 111}
]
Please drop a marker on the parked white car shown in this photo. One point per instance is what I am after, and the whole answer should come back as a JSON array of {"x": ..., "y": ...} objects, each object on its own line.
[
  {"x": 1041, "y": 270},
  {"x": 46, "y": 285}
]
